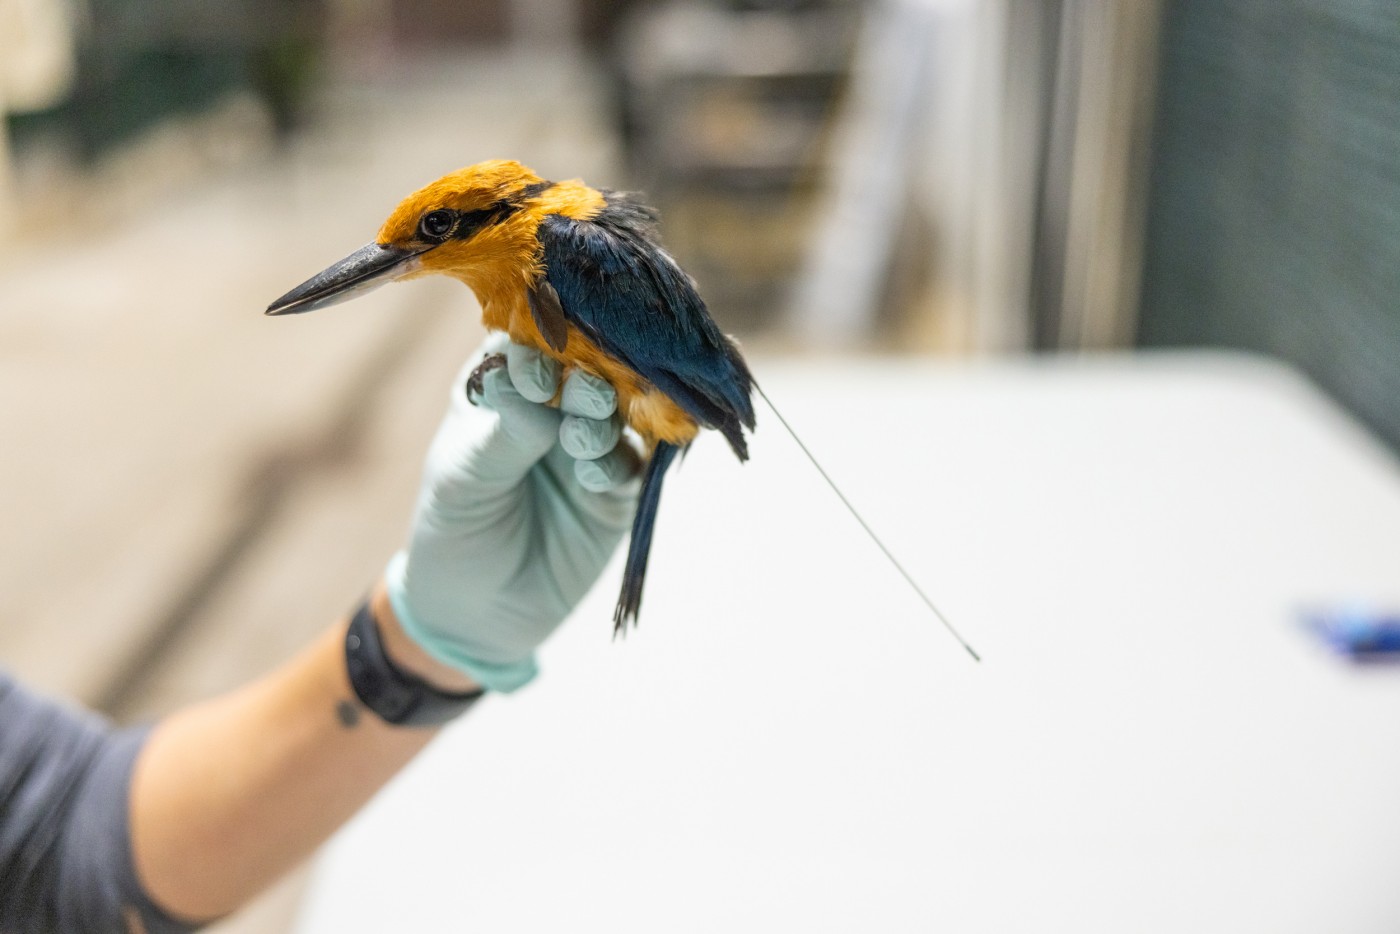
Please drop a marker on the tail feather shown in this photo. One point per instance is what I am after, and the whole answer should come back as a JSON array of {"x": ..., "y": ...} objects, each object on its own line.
[{"x": 629, "y": 602}]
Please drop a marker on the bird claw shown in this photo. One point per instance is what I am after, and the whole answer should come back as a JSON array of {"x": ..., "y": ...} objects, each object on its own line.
[{"x": 476, "y": 388}]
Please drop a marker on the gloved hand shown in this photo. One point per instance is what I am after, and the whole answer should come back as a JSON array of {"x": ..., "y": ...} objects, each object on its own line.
[{"x": 521, "y": 506}]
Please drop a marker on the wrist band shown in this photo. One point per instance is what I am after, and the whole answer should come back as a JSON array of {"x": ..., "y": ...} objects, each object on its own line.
[{"x": 396, "y": 696}]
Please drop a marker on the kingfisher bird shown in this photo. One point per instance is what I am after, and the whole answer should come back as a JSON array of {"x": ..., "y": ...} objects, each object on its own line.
[{"x": 579, "y": 274}]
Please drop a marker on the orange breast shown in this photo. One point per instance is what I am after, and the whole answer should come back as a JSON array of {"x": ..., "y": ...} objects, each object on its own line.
[
  {"x": 501, "y": 281},
  {"x": 650, "y": 412}
]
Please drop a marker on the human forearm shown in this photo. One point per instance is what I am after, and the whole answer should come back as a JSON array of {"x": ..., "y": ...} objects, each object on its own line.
[
  {"x": 230, "y": 794},
  {"x": 521, "y": 506}
]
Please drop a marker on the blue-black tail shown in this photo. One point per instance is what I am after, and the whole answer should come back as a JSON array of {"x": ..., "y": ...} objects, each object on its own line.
[{"x": 629, "y": 603}]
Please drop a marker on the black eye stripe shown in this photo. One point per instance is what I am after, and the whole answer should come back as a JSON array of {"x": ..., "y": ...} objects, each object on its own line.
[
  {"x": 472, "y": 222},
  {"x": 468, "y": 224}
]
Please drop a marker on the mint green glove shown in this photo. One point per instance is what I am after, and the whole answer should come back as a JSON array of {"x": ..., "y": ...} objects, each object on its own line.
[{"x": 520, "y": 508}]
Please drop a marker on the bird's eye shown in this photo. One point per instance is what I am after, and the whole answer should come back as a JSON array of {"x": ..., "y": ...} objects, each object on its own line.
[{"x": 437, "y": 224}]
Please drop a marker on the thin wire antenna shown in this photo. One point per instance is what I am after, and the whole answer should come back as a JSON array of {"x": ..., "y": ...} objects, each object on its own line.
[{"x": 868, "y": 530}]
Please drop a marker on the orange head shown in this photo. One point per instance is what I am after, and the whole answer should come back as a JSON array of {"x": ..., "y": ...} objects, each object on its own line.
[{"x": 478, "y": 222}]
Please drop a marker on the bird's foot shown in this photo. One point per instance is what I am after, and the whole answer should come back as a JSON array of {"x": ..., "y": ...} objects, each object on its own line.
[{"x": 475, "y": 387}]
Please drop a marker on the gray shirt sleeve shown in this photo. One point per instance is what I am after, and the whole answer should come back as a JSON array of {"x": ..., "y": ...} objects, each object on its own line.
[{"x": 65, "y": 843}]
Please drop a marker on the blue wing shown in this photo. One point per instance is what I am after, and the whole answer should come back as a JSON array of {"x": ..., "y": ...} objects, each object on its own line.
[{"x": 627, "y": 295}]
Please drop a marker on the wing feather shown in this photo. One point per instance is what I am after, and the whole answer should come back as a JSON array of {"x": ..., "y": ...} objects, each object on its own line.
[{"x": 624, "y": 291}]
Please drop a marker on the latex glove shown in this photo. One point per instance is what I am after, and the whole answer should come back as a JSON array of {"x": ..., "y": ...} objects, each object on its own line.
[{"x": 520, "y": 508}]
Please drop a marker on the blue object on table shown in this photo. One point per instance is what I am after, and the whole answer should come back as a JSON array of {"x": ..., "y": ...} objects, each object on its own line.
[{"x": 1362, "y": 635}]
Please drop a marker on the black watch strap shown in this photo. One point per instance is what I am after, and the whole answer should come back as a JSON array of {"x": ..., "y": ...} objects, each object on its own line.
[{"x": 393, "y": 694}]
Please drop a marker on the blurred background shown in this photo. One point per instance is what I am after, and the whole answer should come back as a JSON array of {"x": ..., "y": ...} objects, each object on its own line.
[{"x": 190, "y": 490}]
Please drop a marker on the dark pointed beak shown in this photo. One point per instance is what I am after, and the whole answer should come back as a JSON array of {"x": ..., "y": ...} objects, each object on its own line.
[{"x": 367, "y": 268}]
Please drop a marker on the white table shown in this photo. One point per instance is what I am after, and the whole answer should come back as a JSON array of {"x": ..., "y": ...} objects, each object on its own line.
[{"x": 790, "y": 743}]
